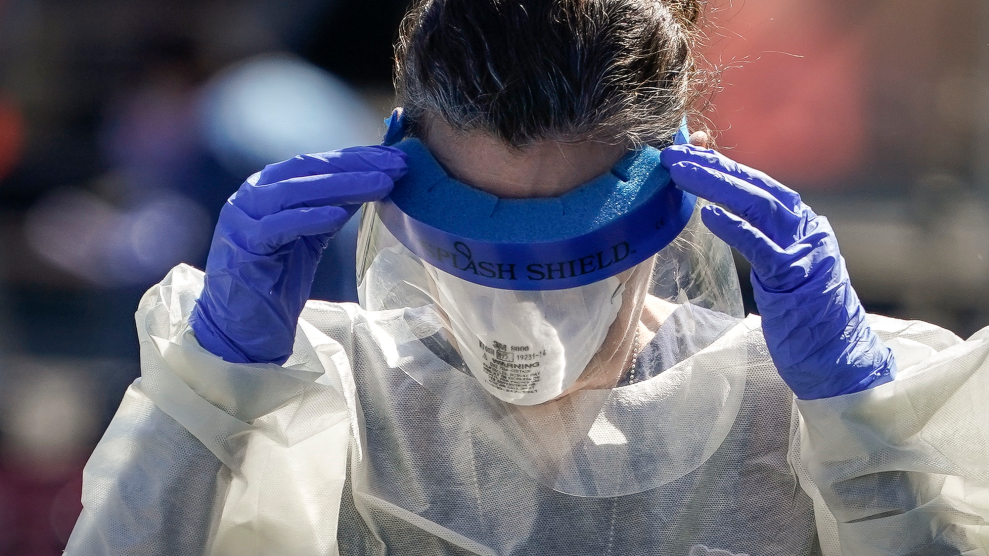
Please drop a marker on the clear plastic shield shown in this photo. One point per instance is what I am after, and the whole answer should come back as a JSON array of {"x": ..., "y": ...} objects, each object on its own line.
[{"x": 567, "y": 381}]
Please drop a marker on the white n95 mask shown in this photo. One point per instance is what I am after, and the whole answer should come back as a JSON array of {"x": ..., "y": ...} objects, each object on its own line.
[{"x": 527, "y": 347}]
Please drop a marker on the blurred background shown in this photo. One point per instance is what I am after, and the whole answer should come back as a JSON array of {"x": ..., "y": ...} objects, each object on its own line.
[{"x": 124, "y": 124}]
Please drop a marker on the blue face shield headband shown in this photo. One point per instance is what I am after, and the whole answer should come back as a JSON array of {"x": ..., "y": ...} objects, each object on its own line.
[{"x": 596, "y": 231}]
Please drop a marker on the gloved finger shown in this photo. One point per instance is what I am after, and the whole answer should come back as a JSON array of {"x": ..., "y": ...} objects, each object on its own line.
[
  {"x": 350, "y": 188},
  {"x": 717, "y": 161},
  {"x": 759, "y": 250},
  {"x": 388, "y": 160},
  {"x": 276, "y": 230},
  {"x": 756, "y": 206}
]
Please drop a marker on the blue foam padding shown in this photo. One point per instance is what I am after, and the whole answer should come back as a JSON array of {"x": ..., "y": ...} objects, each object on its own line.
[{"x": 429, "y": 195}]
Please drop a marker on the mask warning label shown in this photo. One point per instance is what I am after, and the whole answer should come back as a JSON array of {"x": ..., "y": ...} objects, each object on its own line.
[{"x": 511, "y": 368}]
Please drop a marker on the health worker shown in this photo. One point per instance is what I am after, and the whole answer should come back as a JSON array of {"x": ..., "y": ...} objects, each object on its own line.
[{"x": 550, "y": 355}]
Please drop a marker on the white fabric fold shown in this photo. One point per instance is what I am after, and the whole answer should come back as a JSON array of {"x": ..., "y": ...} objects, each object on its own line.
[{"x": 927, "y": 433}]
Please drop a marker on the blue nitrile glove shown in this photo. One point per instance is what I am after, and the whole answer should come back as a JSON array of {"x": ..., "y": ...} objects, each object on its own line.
[
  {"x": 813, "y": 322},
  {"x": 269, "y": 238}
]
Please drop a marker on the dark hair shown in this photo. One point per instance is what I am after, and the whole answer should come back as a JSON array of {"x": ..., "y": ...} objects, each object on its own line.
[{"x": 620, "y": 71}]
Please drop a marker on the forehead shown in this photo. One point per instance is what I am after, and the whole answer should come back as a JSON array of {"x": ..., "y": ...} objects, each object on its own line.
[{"x": 543, "y": 169}]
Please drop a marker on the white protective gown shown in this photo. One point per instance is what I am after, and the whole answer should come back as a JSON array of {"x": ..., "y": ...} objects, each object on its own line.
[{"x": 367, "y": 442}]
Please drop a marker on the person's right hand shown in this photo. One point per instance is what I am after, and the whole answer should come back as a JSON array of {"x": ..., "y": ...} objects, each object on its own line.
[
  {"x": 268, "y": 241},
  {"x": 814, "y": 325}
]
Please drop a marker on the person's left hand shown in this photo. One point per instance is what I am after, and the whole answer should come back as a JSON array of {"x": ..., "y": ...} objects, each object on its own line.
[{"x": 812, "y": 319}]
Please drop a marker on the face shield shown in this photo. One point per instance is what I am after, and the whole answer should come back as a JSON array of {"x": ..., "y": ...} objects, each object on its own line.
[{"x": 537, "y": 312}]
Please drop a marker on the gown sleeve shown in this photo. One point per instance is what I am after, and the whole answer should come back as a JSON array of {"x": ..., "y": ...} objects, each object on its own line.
[
  {"x": 215, "y": 458},
  {"x": 903, "y": 468}
]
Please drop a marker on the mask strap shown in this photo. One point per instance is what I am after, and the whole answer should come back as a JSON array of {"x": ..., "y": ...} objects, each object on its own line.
[
  {"x": 682, "y": 136},
  {"x": 396, "y": 128}
]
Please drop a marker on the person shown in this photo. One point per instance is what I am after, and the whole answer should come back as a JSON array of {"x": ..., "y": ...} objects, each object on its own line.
[{"x": 549, "y": 355}]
